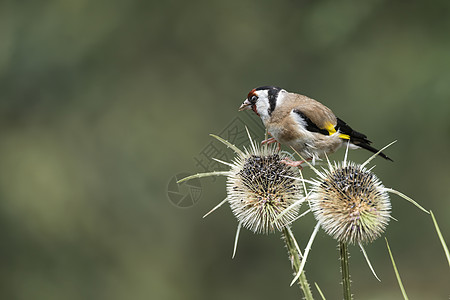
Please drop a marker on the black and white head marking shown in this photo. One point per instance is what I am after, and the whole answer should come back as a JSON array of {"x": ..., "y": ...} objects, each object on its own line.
[
  {"x": 264, "y": 100},
  {"x": 272, "y": 94}
]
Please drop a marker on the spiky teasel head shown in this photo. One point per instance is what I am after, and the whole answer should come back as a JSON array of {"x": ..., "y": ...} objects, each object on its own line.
[
  {"x": 260, "y": 187},
  {"x": 351, "y": 203}
]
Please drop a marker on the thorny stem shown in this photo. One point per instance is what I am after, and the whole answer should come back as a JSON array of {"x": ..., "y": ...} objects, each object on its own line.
[
  {"x": 345, "y": 270},
  {"x": 295, "y": 259}
]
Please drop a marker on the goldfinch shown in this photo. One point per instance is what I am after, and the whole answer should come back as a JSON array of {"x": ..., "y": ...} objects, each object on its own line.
[{"x": 303, "y": 123}]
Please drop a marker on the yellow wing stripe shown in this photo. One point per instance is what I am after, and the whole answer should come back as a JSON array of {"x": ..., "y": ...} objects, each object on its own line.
[{"x": 331, "y": 130}]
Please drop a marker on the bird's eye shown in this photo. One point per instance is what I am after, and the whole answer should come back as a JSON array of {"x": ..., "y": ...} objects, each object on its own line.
[{"x": 253, "y": 99}]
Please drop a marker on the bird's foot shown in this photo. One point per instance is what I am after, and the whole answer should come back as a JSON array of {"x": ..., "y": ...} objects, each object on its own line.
[
  {"x": 271, "y": 141},
  {"x": 291, "y": 163}
]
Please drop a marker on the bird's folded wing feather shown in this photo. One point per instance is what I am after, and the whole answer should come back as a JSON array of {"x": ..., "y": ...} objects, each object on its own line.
[{"x": 309, "y": 124}]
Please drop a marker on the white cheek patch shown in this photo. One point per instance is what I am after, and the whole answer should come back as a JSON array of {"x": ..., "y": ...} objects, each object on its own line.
[{"x": 262, "y": 106}]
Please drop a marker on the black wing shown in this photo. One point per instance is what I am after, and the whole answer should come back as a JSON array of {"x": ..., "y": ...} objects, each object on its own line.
[
  {"x": 357, "y": 138},
  {"x": 310, "y": 125}
]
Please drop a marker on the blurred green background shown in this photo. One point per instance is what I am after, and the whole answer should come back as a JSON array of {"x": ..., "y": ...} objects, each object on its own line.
[{"x": 103, "y": 102}]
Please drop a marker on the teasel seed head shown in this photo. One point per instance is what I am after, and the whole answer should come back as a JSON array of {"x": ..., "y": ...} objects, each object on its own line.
[
  {"x": 351, "y": 203},
  {"x": 260, "y": 187}
]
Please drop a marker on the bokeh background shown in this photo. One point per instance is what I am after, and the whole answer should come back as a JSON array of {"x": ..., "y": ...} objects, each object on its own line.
[{"x": 103, "y": 102}]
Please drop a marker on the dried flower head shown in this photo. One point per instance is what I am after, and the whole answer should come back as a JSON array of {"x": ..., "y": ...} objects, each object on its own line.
[
  {"x": 260, "y": 187},
  {"x": 351, "y": 203}
]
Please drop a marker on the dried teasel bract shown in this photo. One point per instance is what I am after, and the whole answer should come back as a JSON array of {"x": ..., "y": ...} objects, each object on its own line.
[{"x": 351, "y": 203}]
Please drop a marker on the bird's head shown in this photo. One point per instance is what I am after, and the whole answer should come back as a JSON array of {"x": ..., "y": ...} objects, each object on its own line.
[{"x": 262, "y": 101}]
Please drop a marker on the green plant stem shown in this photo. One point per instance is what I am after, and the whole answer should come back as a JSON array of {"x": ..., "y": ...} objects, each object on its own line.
[
  {"x": 441, "y": 238},
  {"x": 294, "y": 256},
  {"x": 320, "y": 291},
  {"x": 345, "y": 270},
  {"x": 397, "y": 274}
]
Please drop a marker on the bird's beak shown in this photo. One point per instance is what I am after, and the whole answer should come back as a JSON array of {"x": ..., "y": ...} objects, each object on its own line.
[{"x": 246, "y": 105}]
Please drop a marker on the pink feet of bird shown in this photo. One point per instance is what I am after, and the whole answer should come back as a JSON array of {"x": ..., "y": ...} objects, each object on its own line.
[
  {"x": 291, "y": 163},
  {"x": 287, "y": 161},
  {"x": 271, "y": 141}
]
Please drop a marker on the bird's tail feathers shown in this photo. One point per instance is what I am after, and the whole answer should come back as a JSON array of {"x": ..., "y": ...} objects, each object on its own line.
[{"x": 365, "y": 145}]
